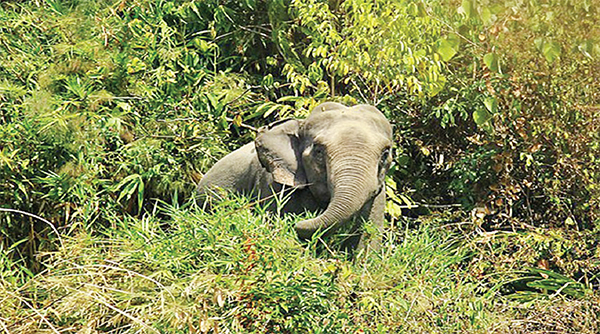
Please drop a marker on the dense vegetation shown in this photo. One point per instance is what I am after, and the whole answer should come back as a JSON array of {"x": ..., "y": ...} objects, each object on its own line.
[{"x": 110, "y": 111}]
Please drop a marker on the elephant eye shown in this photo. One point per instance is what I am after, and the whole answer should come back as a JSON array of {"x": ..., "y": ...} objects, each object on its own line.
[
  {"x": 318, "y": 151},
  {"x": 385, "y": 156}
]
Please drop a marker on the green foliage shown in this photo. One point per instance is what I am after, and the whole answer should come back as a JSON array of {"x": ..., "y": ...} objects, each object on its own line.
[
  {"x": 522, "y": 98},
  {"x": 102, "y": 107},
  {"x": 110, "y": 109},
  {"x": 240, "y": 270},
  {"x": 368, "y": 49}
]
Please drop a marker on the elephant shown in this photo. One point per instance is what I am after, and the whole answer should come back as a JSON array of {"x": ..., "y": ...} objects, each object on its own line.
[{"x": 333, "y": 163}]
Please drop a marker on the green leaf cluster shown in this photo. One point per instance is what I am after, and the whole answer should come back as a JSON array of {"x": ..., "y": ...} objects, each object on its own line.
[
  {"x": 371, "y": 49},
  {"x": 521, "y": 87}
]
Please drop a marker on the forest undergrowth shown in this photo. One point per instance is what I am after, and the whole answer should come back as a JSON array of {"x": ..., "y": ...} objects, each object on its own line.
[{"x": 112, "y": 110}]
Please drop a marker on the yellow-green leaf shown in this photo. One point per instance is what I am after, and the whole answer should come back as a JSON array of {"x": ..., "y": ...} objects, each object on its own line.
[
  {"x": 491, "y": 103},
  {"x": 551, "y": 51},
  {"x": 481, "y": 116},
  {"x": 468, "y": 8},
  {"x": 486, "y": 15},
  {"x": 446, "y": 49},
  {"x": 491, "y": 61}
]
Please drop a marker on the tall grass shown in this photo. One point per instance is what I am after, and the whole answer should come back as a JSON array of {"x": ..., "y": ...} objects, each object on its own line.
[
  {"x": 242, "y": 270},
  {"x": 238, "y": 270}
]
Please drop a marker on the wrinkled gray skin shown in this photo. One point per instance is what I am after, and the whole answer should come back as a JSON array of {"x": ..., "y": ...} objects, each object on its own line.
[{"x": 335, "y": 161}]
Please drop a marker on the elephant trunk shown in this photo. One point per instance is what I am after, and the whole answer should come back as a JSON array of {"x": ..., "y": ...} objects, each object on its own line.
[{"x": 353, "y": 182}]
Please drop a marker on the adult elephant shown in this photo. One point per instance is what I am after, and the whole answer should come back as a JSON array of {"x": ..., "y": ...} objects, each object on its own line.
[{"x": 334, "y": 162}]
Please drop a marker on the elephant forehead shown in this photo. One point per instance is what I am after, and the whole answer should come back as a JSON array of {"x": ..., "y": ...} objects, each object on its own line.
[
  {"x": 353, "y": 120},
  {"x": 350, "y": 134}
]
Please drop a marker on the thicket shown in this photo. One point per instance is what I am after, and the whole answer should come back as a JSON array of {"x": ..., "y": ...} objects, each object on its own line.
[
  {"x": 531, "y": 70},
  {"x": 112, "y": 110}
]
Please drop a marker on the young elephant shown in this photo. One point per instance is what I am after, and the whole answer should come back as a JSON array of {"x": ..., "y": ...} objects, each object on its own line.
[{"x": 334, "y": 161}]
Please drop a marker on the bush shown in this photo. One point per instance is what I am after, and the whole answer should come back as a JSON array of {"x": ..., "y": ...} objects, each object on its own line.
[
  {"x": 516, "y": 123},
  {"x": 103, "y": 108}
]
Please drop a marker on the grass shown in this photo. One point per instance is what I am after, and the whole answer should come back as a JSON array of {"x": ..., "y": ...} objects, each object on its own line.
[{"x": 239, "y": 269}]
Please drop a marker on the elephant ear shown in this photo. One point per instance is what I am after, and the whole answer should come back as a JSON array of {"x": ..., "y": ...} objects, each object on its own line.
[{"x": 278, "y": 149}]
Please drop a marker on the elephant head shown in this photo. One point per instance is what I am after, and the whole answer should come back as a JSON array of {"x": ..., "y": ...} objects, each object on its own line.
[{"x": 340, "y": 153}]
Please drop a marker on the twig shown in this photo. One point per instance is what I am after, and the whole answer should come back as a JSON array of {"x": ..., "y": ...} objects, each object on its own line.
[
  {"x": 224, "y": 35},
  {"x": 4, "y": 326},
  {"x": 262, "y": 26},
  {"x": 178, "y": 119},
  {"x": 241, "y": 95},
  {"x": 424, "y": 205},
  {"x": 255, "y": 32},
  {"x": 123, "y": 98},
  {"x": 36, "y": 217},
  {"x": 359, "y": 90},
  {"x": 201, "y": 32},
  {"x": 242, "y": 125},
  {"x": 440, "y": 206}
]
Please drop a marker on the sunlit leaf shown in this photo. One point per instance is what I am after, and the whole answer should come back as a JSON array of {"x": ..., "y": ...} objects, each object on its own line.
[
  {"x": 486, "y": 15},
  {"x": 491, "y": 103},
  {"x": 237, "y": 120},
  {"x": 491, "y": 61},
  {"x": 468, "y": 7},
  {"x": 551, "y": 50},
  {"x": 481, "y": 116},
  {"x": 586, "y": 48},
  {"x": 447, "y": 49},
  {"x": 267, "y": 80}
]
